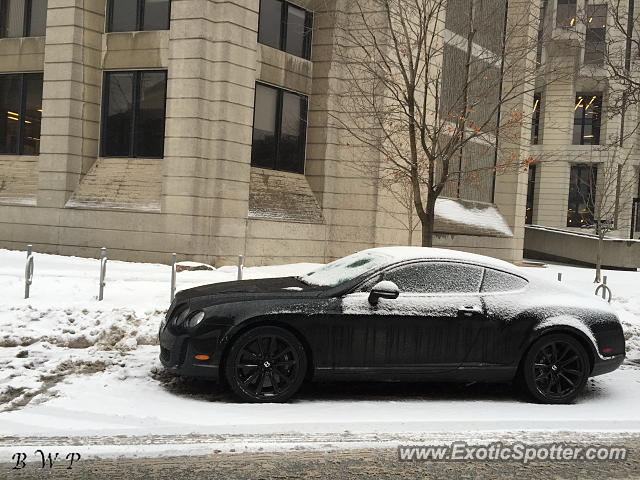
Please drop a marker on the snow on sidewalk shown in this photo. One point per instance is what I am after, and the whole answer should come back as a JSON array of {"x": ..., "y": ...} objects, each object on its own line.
[{"x": 73, "y": 366}]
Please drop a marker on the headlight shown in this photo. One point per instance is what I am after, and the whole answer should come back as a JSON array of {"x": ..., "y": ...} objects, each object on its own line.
[{"x": 195, "y": 319}]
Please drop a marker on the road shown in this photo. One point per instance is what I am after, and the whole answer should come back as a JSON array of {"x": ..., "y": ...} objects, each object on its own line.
[{"x": 338, "y": 465}]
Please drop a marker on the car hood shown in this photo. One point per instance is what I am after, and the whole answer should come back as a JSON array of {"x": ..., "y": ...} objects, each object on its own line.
[{"x": 264, "y": 287}]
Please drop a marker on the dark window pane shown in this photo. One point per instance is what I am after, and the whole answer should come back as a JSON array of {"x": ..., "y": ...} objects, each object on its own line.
[
  {"x": 32, "y": 114},
  {"x": 296, "y": 31},
  {"x": 156, "y": 15},
  {"x": 582, "y": 192},
  {"x": 495, "y": 281},
  {"x": 9, "y": 113},
  {"x": 118, "y": 118},
  {"x": 150, "y": 119},
  {"x": 531, "y": 189},
  {"x": 566, "y": 15},
  {"x": 596, "y": 32},
  {"x": 270, "y": 28},
  {"x": 12, "y": 21},
  {"x": 535, "y": 119},
  {"x": 586, "y": 130},
  {"x": 38, "y": 19},
  {"x": 291, "y": 151},
  {"x": 264, "y": 127},
  {"x": 124, "y": 16},
  {"x": 436, "y": 278}
]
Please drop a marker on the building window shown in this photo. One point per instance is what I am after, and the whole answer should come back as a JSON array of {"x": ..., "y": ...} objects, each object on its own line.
[
  {"x": 138, "y": 15},
  {"x": 535, "y": 119},
  {"x": 133, "y": 114},
  {"x": 279, "y": 129},
  {"x": 566, "y": 13},
  {"x": 596, "y": 34},
  {"x": 540, "y": 44},
  {"x": 21, "y": 113},
  {"x": 582, "y": 192},
  {"x": 23, "y": 18},
  {"x": 286, "y": 27},
  {"x": 587, "y": 119},
  {"x": 531, "y": 190}
]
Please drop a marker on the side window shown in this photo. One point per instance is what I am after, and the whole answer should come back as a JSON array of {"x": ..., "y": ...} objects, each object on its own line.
[
  {"x": 495, "y": 281},
  {"x": 436, "y": 277}
]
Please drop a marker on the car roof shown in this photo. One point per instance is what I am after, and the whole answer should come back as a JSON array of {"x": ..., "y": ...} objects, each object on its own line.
[{"x": 398, "y": 254}]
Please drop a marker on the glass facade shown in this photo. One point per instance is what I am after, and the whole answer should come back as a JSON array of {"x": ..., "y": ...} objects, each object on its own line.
[
  {"x": 286, "y": 27},
  {"x": 279, "y": 129},
  {"x": 582, "y": 194},
  {"x": 23, "y": 18},
  {"x": 138, "y": 15},
  {"x": 21, "y": 113},
  {"x": 133, "y": 117}
]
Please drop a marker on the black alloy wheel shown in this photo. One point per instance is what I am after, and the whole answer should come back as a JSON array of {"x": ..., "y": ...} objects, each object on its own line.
[
  {"x": 266, "y": 364},
  {"x": 556, "y": 369}
]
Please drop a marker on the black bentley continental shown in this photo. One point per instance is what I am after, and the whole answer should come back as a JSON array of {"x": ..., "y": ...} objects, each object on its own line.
[{"x": 393, "y": 314}]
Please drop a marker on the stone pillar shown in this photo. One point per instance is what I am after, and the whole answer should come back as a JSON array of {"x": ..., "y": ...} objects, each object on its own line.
[
  {"x": 210, "y": 94},
  {"x": 511, "y": 186},
  {"x": 71, "y": 97}
]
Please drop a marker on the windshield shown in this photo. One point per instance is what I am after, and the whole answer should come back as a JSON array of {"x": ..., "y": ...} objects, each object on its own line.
[{"x": 347, "y": 268}]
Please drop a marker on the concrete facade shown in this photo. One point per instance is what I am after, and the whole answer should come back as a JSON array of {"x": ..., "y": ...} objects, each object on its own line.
[
  {"x": 203, "y": 199},
  {"x": 556, "y": 147}
]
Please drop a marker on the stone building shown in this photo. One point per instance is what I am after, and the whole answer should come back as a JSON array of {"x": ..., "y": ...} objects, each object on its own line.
[
  {"x": 587, "y": 175},
  {"x": 200, "y": 127}
]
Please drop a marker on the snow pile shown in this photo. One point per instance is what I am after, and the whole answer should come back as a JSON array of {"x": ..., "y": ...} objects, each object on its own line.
[
  {"x": 63, "y": 332},
  {"x": 483, "y": 217}
]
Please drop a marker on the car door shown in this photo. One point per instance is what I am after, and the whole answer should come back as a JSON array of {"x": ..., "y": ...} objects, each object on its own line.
[{"x": 430, "y": 328}]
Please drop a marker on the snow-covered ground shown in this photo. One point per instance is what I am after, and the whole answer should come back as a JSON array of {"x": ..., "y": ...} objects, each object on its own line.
[{"x": 73, "y": 366}]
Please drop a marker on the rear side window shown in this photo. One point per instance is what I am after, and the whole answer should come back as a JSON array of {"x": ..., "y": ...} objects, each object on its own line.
[
  {"x": 495, "y": 281},
  {"x": 433, "y": 277}
]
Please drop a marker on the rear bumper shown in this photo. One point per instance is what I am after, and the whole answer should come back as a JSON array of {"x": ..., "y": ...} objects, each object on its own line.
[
  {"x": 607, "y": 365},
  {"x": 177, "y": 355}
]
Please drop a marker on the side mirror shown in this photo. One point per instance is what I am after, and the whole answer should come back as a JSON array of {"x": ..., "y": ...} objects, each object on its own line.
[{"x": 385, "y": 289}]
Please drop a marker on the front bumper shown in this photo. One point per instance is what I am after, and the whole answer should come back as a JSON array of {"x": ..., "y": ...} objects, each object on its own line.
[
  {"x": 607, "y": 365},
  {"x": 177, "y": 354}
]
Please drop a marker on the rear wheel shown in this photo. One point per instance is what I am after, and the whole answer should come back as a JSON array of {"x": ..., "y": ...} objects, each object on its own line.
[
  {"x": 555, "y": 369},
  {"x": 266, "y": 364}
]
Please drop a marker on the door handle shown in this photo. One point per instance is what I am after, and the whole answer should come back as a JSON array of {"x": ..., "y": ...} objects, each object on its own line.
[{"x": 470, "y": 311}]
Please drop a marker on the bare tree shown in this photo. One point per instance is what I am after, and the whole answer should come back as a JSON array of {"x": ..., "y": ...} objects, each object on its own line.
[
  {"x": 610, "y": 42},
  {"x": 431, "y": 86}
]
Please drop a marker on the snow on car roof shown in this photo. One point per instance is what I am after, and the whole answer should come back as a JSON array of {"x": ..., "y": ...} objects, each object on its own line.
[{"x": 411, "y": 253}]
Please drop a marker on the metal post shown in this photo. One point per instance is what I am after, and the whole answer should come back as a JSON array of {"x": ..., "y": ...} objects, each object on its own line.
[
  {"x": 604, "y": 290},
  {"x": 559, "y": 276},
  {"x": 28, "y": 271},
  {"x": 173, "y": 276},
  {"x": 240, "y": 266},
  {"x": 103, "y": 272}
]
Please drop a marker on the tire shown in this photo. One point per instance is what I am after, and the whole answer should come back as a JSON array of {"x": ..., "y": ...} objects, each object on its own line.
[
  {"x": 555, "y": 369},
  {"x": 266, "y": 365}
]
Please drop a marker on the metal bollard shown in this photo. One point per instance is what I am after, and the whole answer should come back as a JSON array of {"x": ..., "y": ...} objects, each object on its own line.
[
  {"x": 28, "y": 272},
  {"x": 559, "y": 276},
  {"x": 103, "y": 272},
  {"x": 240, "y": 266},
  {"x": 173, "y": 276}
]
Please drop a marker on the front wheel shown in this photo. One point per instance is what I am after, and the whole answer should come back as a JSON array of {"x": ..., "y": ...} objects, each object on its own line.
[
  {"x": 266, "y": 364},
  {"x": 555, "y": 369}
]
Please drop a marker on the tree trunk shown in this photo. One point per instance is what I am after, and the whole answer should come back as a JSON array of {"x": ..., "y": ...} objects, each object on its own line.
[
  {"x": 428, "y": 222},
  {"x": 598, "y": 278}
]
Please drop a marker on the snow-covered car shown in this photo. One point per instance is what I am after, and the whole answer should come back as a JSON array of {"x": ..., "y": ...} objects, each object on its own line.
[{"x": 393, "y": 314}]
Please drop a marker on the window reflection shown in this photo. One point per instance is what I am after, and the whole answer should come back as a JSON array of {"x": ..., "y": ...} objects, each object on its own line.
[
  {"x": 587, "y": 119},
  {"x": 279, "y": 130},
  {"x": 582, "y": 192}
]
